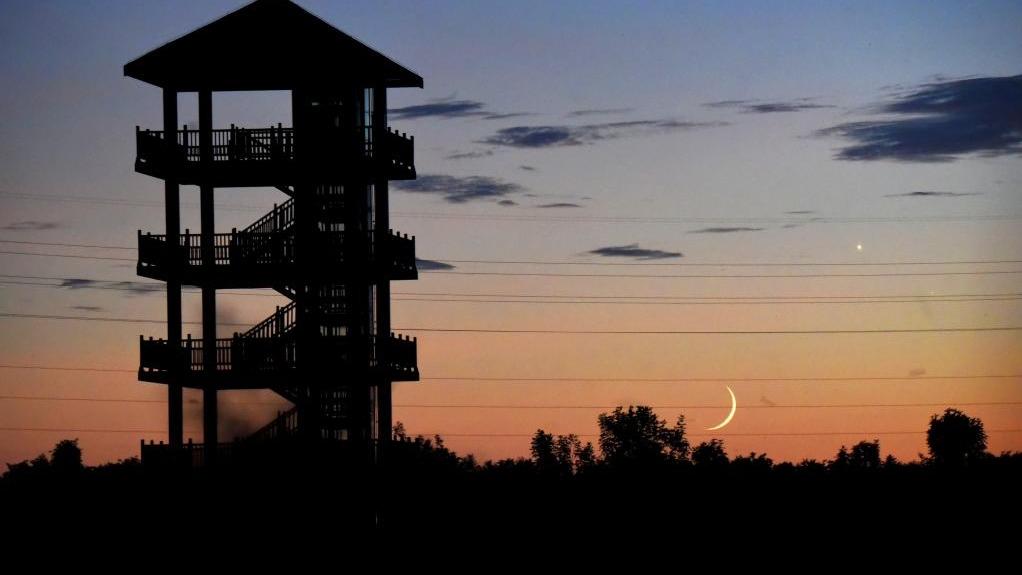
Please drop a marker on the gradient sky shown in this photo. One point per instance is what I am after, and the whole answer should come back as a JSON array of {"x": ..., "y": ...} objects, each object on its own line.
[{"x": 753, "y": 132}]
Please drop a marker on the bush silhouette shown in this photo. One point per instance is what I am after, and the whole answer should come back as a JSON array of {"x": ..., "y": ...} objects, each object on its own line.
[{"x": 955, "y": 439}]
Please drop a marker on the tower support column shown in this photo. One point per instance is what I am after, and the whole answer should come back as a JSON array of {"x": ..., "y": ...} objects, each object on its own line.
[
  {"x": 171, "y": 192},
  {"x": 209, "y": 355}
]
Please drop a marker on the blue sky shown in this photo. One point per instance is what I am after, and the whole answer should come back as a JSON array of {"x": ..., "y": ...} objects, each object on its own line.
[{"x": 723, "y": 131}]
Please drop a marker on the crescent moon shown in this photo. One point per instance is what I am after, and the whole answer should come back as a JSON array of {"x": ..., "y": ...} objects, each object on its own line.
[{"x": 727, "y": 420}]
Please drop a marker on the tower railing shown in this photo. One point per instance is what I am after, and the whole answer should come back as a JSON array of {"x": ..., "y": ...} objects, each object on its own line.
[
  {"x": 243, "y": 355},
  {"x": 237, "y": 145}
]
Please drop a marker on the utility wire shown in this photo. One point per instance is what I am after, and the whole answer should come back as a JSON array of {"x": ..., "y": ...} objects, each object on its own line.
[
  {"x": 805, "y": 219},
  {"x": 538, "y": 407},
  {"x": 518, "y": 435},
  {"x": 603, "y": 263},
  {"x": 731, "y": 301},
  {"x": 663, "y": 276},
  {"x": 609, "y": 379},
  {"x": 547, "y": 331},
  {"x": 155, "y": 286}
]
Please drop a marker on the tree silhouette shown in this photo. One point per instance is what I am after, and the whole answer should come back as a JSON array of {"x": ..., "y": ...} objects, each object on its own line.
[
  {"x": 955, "y": 439},
  {"x": 710, "y": 455},
  {"x": 66, "y": 458},
  {"x": 562, "y": 455},
  {"x": 865, "y": 455},
  {"x": 637, "y": 438}
]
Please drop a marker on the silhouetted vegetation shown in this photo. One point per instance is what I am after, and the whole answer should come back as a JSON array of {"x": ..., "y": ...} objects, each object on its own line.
[{"x": 643, "y": 471}]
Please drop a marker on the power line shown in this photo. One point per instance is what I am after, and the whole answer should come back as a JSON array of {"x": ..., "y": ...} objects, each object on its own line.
[
  {"x": 538, "y": 407},
  {"x": 90, "y": 284},
  {"x": 809, "y": 219},
  {"x": 603, "y": 263},
  {"x": 707, "y": 220},
  {"x": 729, "y": 301},
  {"x": 611, "y": 379},
  {"x": 721, "y": 435},
  {"x": 66, "y": 245},
  {"x": 703, "y": 332},
  {"x": 763, "y": 302},
  {"x": 73, "y": 256},
  {"x": 85, "y": 430},
  {"x": 717, "y": 379},
  {"x": 590, "y": 275},
  {"x": 548, "y": 331},
  {"x": 719, "y": 276},
  {"x": 520, "y": 435},
  {"x": 113, "y": 319},
  {"x": 728, "y": 264}
]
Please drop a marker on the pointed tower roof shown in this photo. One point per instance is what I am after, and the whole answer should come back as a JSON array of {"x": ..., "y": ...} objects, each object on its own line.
[{"x": 267, "y": 45}]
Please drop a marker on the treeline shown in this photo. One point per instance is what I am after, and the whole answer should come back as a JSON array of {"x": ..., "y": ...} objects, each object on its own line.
[
  {"x": 636, "y": 441},
  {"x": 642, "y": 471}
]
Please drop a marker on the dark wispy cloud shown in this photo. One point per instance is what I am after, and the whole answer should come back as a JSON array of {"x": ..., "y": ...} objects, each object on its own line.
[
  {"x": 431, "y": 265},
  {"x": 30, "y": 226},
  {"x": 87, "y": 307},
  {"x": 506, "y": 115},
  {"x": 560, "y": 205},
  {"x": 459, "y": 190},
  {"x": 75, "y": 283},
  {"x": 800, "y": 212},
  {"x": 599, "y": 112},
  {"x": 469, "y": 155},
  {"x": 768, "y": 107},
  {"x": 553, "y": 136},
  {"x": 931, "y": 194},
  {"x": 446, "y": 108},
  {"x": 939, "y": 122},
  {"x": 635, "y": 252},
  {"x": 451, "y": 108},
  {"x": 527, "y": 168},
  {"x": 724, "y": 230},
  {"x": 138, "y": 288},
  {"x": 727, "y": 103},
  {"x": 775, "y": 107},
  {"x": 507, "y": 203}
]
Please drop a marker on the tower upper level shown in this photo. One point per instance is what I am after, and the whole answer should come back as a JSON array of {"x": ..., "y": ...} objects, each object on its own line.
[{"x": 268, "y": 45}]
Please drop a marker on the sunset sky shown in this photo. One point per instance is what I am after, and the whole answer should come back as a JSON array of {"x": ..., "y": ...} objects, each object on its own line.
[{"x": 609, "y": 141}]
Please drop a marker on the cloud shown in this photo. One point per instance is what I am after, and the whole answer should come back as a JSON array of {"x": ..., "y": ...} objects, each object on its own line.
[
  {"x": 553, "y": 136},
  {"x": 599, "y": 111},
  {"x": 469, "y": 155},
  {"x": 506, "y": 115},
  {"x": 761, "y": 107},
  {"x": 87, "y": 307},
  {"x": 75, "y": 283},
  {"x": 30, "y": 226},
  {"x": 727, "y": 103},
  {"x": 527, "y": 168},
  {"x": 431, "y": 265},
  {"x": 775, "y": 107},
  {"x": 940, "y": 122},
  {"x": 724, "y": 230},
  {"x": 451, "y": 108},
  {"x": 439, "y": 109},
  {"x": 800, "y": 212},
  {"x": 635, "y": 252},
  {"x": 458, "y": 190},
  {"x": 507, "y": 203},
  {"x": 930, "y": 194},
  {"x": 139, "y": 288},
  {"x": 560, "y": 205}
]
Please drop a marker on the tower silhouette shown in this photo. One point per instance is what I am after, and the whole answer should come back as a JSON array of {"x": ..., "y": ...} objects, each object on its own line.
[{"x": 328, "y": 248}]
